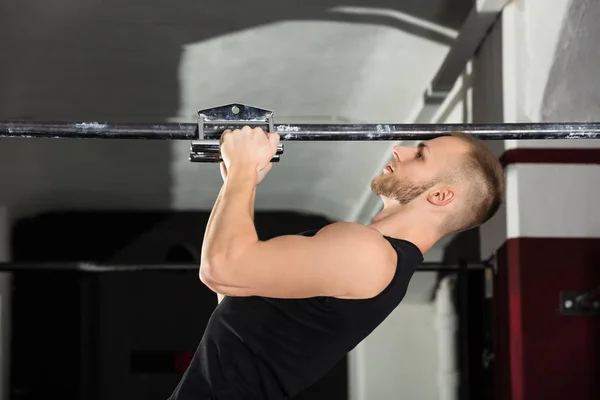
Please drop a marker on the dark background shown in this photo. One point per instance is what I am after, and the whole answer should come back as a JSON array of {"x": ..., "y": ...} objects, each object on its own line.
[{"x": 120, "y": 334}]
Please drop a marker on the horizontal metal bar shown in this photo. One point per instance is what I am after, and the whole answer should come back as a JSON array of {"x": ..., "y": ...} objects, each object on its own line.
[
  {"x": 305, "y": 132},
  {"x": 432, "y": 266},
  {"x": 98, "y": 130},
  {"x": 92, "y": 267},
  {"x": 397, "y": 132}
]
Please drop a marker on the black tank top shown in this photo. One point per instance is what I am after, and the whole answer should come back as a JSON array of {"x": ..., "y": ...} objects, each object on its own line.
[{"x": 270, "y": 349}]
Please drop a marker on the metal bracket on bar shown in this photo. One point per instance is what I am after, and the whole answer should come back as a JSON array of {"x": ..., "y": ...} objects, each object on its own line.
[
  {"x": 582, "y": 304},
  {"x": 232, "y": 116}
]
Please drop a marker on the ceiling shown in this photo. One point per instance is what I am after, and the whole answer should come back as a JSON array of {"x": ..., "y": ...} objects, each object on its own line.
[{"x": 156, "y": 61}]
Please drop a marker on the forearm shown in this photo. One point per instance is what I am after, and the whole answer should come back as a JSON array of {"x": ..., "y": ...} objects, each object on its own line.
[
  {"x": 231, "y": 223},
  {"x": 209, "y": 224}
]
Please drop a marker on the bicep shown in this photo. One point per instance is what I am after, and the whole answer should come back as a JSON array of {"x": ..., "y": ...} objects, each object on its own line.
[
  {"x": 291, "y": 267},
  {"x": 336, "y": 262}
]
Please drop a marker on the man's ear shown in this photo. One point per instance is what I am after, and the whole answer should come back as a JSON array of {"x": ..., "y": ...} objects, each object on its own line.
[{"x": 441, "y": 196}]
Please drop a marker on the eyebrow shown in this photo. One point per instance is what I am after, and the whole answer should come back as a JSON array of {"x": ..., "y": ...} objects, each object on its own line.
[{"x": 422, "y": 146}]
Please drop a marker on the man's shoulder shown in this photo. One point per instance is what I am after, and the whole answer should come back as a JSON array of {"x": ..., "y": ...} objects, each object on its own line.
[
  {"x": 352, "y": 231},
  {"x": 368, "y": 256}
]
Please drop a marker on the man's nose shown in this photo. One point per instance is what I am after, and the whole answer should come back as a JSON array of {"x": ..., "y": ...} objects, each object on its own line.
[{"x": 402, "y": 153}]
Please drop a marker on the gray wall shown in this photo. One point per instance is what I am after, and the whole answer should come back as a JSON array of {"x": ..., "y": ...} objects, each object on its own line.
[{"x": 572, "y": 92}]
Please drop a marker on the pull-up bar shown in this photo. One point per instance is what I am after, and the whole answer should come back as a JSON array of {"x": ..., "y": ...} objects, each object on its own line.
[{"x": 212, "y": 122}]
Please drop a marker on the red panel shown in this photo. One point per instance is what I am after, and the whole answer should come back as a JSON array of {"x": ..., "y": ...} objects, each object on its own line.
[
  {"x": 550, "y": 156},
  {"x": 547, "y": 355}
]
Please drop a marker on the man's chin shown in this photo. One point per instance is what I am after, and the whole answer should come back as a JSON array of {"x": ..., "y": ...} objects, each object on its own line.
[
  {"x": 379, "y": 193},
  {"x": 374, "y": 188}
]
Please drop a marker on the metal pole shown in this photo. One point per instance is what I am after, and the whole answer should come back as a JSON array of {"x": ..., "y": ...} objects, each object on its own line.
[
  {"x": 302, "y": 132},
  {"x": 98, "y": 130},
  {"x": 397, "y": 132},
  {"x": 99, "y": 267},
  {"x": 463, "y": 331}
]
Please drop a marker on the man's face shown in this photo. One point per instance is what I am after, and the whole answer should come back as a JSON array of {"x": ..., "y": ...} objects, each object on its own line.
[{"x": 414, "y": 170}]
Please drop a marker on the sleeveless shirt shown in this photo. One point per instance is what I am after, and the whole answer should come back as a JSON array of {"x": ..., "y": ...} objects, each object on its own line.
[{"x": 270, "y": 349}]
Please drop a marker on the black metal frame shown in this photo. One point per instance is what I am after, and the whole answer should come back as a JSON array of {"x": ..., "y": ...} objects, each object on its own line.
[{"x": 474, "y": 331}]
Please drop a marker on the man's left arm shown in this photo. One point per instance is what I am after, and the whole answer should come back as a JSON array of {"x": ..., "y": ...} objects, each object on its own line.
[
  {"x": 230, "y": 226},
  {"x": 246, "y": 157}
]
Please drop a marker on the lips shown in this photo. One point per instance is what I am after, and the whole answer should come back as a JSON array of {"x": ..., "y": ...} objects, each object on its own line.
[{"x": 390, "y": 168}]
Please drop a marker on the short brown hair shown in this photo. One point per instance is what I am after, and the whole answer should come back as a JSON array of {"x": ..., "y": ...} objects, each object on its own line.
[{"x": 485, "y": 176}]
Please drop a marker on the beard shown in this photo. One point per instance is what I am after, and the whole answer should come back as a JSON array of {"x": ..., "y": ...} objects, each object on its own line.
[{"x": 402, "y": 190}]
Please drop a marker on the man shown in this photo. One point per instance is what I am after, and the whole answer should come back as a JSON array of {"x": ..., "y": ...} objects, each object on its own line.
[{"x": 291, "y": 307}]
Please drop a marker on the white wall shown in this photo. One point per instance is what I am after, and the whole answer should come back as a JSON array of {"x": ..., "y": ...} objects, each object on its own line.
[
  {"x": 546, "y": 200},
  {"x": 400, "y": 358},
  {"x": 553, "y": 200}
]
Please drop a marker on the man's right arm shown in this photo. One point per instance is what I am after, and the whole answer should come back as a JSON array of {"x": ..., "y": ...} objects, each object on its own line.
[{"x": 342, "y": 260}]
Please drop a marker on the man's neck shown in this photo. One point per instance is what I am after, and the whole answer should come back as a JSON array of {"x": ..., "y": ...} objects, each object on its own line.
[{"x": 407, "y": 223}]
